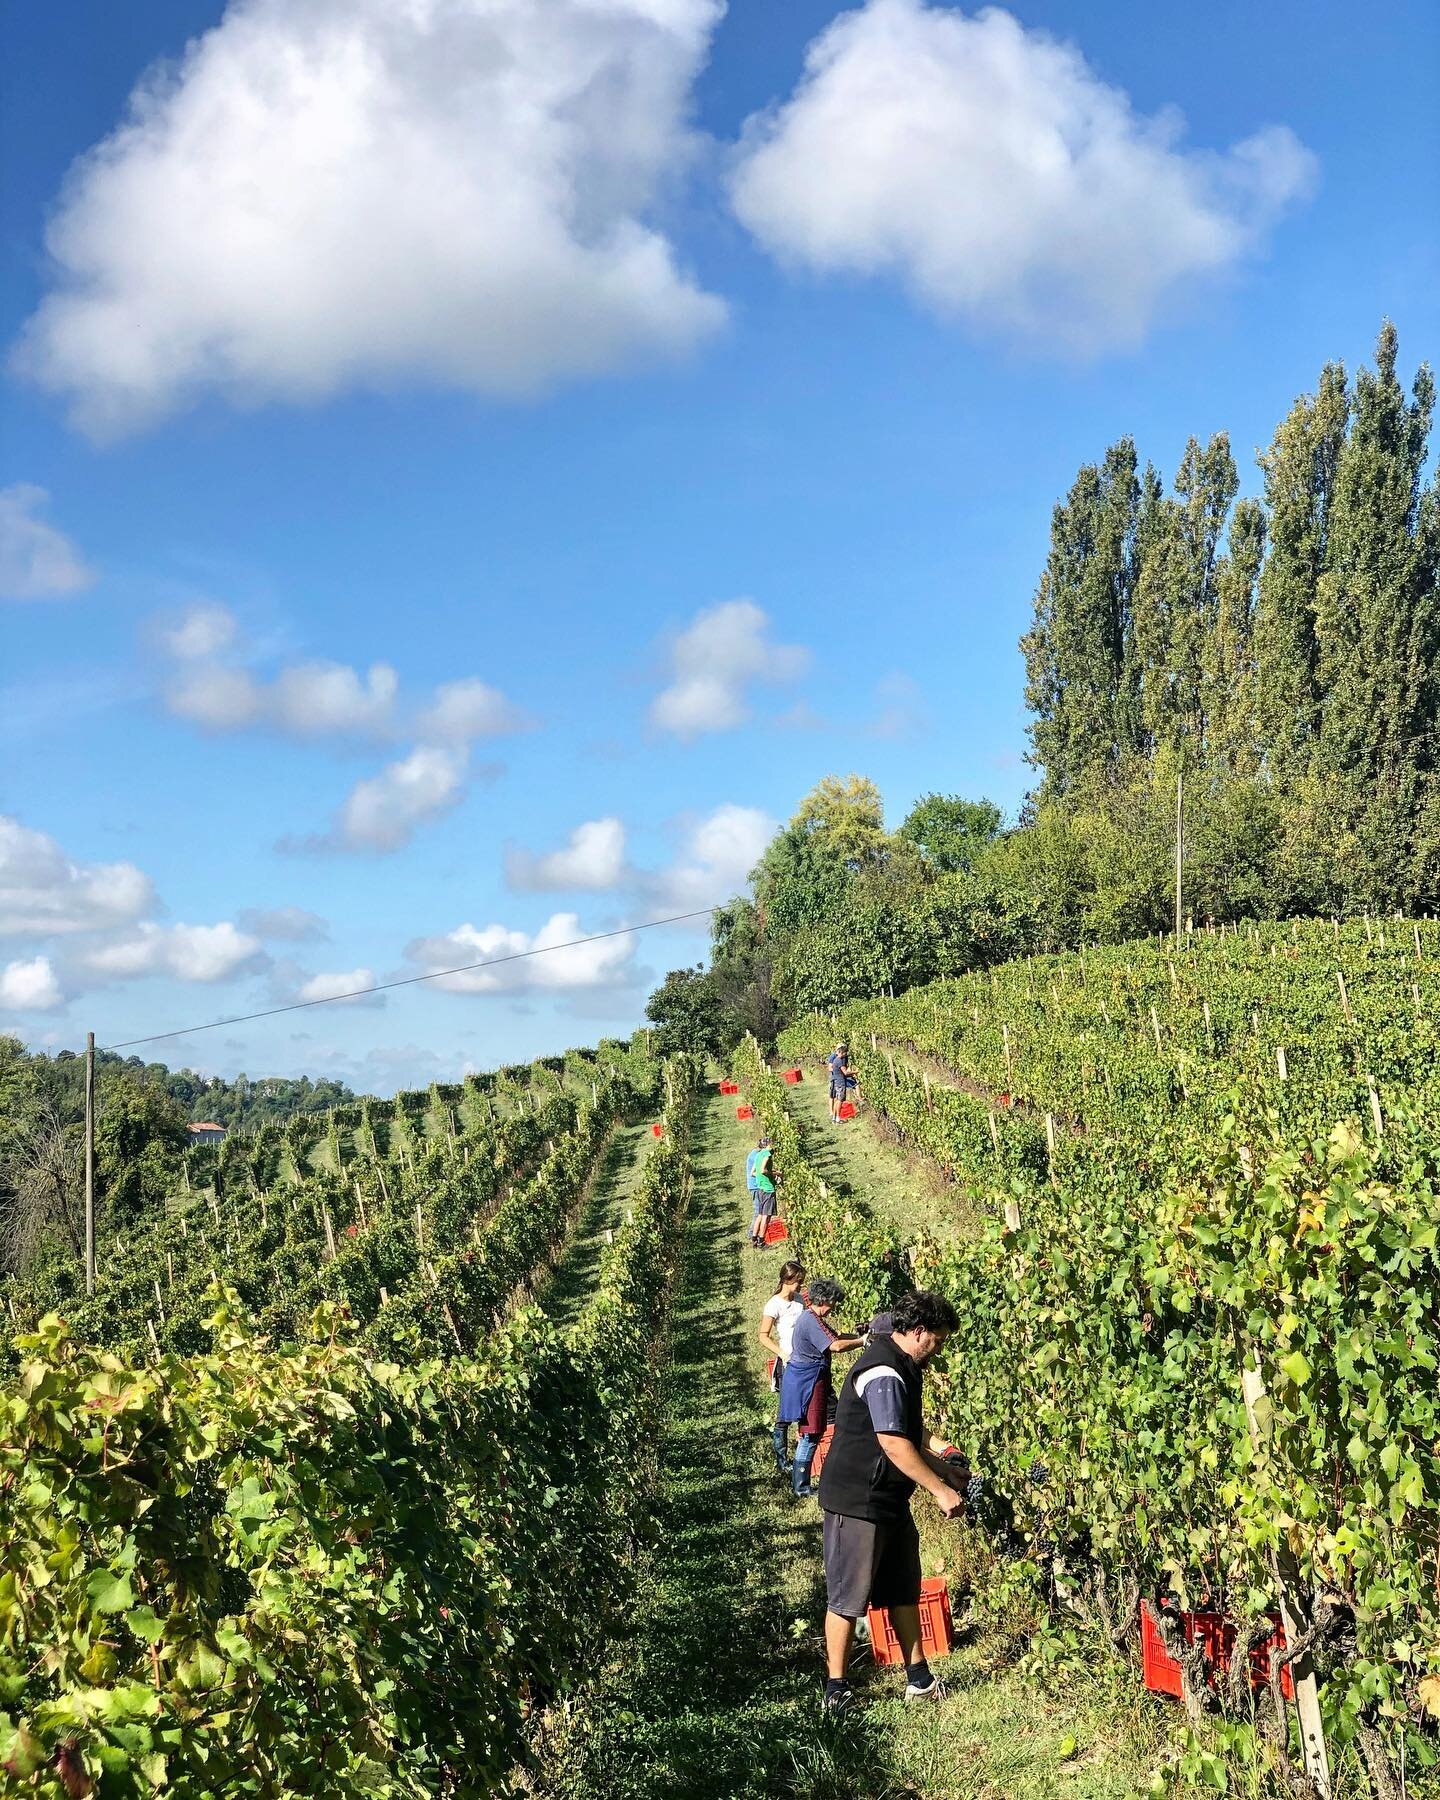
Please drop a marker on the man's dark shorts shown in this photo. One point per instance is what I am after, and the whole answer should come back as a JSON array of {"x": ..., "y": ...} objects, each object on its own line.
[
  {"x": 838, "y": 1089},
  {"x": 764, "y": 1203},
  {"x": 870, "y": 1564}
]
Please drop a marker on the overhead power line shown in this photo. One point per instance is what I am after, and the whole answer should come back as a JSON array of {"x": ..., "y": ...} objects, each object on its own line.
[{"x": 381, "y": 987}]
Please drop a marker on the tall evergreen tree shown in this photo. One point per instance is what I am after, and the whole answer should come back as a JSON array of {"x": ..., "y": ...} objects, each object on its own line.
[
  {"x": 1229, "y": 692},
  {"x": 1299, "y": 469},
  {"x": 1376, "y": 622},
  {"x": 1176, "y": 597},
  {"x": 1075, "y": 652}
]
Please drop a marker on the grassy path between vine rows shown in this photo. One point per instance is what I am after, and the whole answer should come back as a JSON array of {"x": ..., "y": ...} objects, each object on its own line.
[
  {"x": 852, "y": 1158},
  {"x": 714, "y": 1692},
  {"x": 619, "y": 1174}
]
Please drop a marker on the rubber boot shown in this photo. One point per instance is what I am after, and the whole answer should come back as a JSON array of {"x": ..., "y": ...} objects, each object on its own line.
[
  {"x": 804, "y": 1456},
  {"x": 780, "y": 1437}
]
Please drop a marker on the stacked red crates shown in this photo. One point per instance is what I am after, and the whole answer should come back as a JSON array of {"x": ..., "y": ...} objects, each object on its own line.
[
  {"x": 937, "y": 1626},
  {"x": 791, "y": 1075},
  {"x": 1216, "y": 1636},
  {"x": 729, "y": 1087}
]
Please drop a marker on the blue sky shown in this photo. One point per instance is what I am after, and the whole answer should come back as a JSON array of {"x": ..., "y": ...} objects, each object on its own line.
[{"x": 425, "y": 441}]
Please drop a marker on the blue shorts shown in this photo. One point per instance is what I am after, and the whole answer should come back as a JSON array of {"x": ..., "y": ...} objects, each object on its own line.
[{"x": 764, "y": 1203}]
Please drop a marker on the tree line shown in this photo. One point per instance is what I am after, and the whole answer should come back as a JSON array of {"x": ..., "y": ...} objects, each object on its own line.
[
  {"x": 1279, "y": 651},
  {"x": 143, "y": 1114}
]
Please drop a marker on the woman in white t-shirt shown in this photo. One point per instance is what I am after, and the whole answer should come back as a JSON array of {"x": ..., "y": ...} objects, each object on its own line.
[{"x": 777, "y": 1321}]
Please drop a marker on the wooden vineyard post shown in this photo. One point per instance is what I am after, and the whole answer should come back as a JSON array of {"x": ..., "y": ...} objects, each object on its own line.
[
  {"x": 169, "y": 1269},
  {"x": 1375, "y": 1112},
  {"x": 329, "y": 1232},
  {"x": 1050, "y": 1145},
  {"x": 419, "y": 1227},
  {"x": 890, "y": 1064},
  {"x": 159, "y": 1301},
  {"x": 1344, "y": 996},
  {"x": 154, "y": 1341},
  {"x": 874, "y": 1042},
  {"x": 1415, "y": 927},
  {"x": 929, "y": 1103},
  {"x": 1292, "y": 1611},
  {"x": 1012, "y": 1214},
  {"x": 1209, "y": 1027},
  {"x": 1280, "y": 1062},
  {"x": 1155, "y": 1022},
  {"x": 1009, "y": 1060},
  {"x": 89, "y": 1162},
  {"x": 454, "y": 1328}
]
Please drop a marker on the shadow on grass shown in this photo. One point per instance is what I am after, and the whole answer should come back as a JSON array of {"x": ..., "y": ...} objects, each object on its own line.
[{"x": 712, "y": 1696}]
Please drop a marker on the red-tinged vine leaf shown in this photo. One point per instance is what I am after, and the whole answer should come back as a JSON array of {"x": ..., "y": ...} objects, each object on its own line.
[{"x": 70, "y": 1767}]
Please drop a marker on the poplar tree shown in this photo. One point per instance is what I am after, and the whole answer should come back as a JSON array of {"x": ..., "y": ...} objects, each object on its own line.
[
  {"x": 1299, "y": 471},
  {"x": 1176, "y": 598},
  {"x": 1376, "y": 621},
  {"x": 1230, "y": 697},
  {"x": 1075, "y": 651}
]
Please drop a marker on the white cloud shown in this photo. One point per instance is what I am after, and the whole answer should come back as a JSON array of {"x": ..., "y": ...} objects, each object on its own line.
[
  {"x": 44, "y": 893},
  {"x": 340, "y": 984},
  {"x": 37, "y": 562},
  {"x": 995, "y": 173},
  {"x": 318, "y": 699},
  {"x": 200, "y": 632},
  {"x": 283, "y": 924},
  {"x": 219, "y": 699},
  {"x": 30, "y": 986},
  {"x": 355, "y": 192},
  {"x": 382, "y": 811},
  {"x": 713, "y": 661},
  {"x": 716, "y": 857},
  {"x": 471, "y": 708},
  {"x": 607, "y": 963},
  {"x": 592, "y": 857},
  {"x": 186, "y": 952}
]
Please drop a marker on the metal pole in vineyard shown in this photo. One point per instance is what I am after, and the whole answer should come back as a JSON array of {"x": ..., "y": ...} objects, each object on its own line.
[{"x": 89, "y": 1162}]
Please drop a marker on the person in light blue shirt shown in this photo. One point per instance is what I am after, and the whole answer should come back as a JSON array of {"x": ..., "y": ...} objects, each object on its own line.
[{"x": 760, "y": 1180}]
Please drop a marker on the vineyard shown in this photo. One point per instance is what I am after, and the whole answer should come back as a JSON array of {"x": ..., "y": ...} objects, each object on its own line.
[
  {"x": 1191, "y": 1162},
  {"x": 317, "y": 1494},
  {"x": 311, "y": 1449}
]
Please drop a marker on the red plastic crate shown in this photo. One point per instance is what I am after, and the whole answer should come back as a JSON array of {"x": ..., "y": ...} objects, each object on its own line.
[
  {"x": 822, "y": 1450},
  {"x": 847, "y": 1109},
  {"x": 791, "y": 1075},
  {"x": 657, "y": 1131},
  {"x": 937, "y": 1627},
  {"x": 744, "y": 1112},
  {"x": 1216, "y": 1634},
  {"x": 776, "y": 1231},
  {"x": 729, "y": 1087}
]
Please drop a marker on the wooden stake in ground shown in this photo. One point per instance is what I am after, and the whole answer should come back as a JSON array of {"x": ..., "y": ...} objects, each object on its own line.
[
  {"x": 1289, "y": 1590},
  {"x": 89, "y": 1162},
  {"x": 1344, "y": 996},
  {"x": 1179, "y": 850},
  {"x": 329, "y": 1232},
  {"x": 1050, "y": 1144},
  {"x": 1155, "y": 1022},
  {"x": 1209, "y": 1027},
  {"x": 1009, "y": 1062},
  {"x": 1375, "y": 1113},
  {"x": 1280, "y": 1062}
]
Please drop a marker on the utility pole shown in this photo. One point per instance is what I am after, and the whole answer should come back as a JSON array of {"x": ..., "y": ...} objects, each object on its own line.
[
  {"x": 1179, "y": 854},
  {"x": 89, "y": 1162}
]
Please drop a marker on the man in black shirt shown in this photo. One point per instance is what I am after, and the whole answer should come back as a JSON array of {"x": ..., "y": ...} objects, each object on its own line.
[{"x": 880, "y": 1453}]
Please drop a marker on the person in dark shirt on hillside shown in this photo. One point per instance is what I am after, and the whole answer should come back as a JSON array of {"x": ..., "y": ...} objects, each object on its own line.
[
  {"x": 880, "y": 1453},
  {"x": 841, "y": 1080},
  {"x": 805, "y": 1388}
]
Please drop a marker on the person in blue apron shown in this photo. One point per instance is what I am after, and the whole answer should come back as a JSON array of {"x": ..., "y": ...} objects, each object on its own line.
[{"x": 805, "y": 1387}]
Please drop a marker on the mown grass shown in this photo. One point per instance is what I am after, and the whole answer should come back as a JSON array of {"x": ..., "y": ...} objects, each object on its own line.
[
  {"x": 852, "y": 1158},
  {"x": 714, "y": 1691},
  {"x": 619, "y": 1175}
]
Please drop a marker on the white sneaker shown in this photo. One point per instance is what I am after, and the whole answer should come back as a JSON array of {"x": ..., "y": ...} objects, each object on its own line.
[{"x": 934, "y": 1689}]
